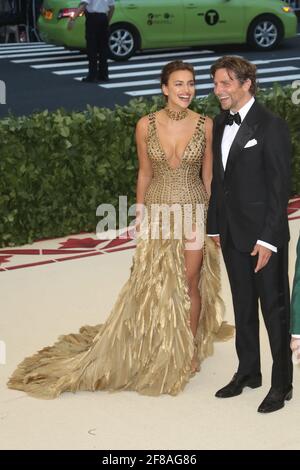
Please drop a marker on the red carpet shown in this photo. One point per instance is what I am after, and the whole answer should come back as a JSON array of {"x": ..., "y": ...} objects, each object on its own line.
[{"x": 80, "y": 246}]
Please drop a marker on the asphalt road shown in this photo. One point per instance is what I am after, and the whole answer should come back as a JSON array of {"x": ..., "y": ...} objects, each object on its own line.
[{"x": 39, "y": 76}]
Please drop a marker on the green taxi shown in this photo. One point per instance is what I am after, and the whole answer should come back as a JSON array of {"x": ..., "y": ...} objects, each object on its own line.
[{"x": 147, "y": 24}]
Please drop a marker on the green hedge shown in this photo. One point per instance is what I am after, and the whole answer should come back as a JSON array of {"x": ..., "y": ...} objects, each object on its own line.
[{"x": 56, "y": 168}]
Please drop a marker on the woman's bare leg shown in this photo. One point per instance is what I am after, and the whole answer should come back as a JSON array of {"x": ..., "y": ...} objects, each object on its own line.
[{"x": 193, "y": 263}]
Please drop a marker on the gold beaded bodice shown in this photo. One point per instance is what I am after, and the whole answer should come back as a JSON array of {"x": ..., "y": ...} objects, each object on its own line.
[{"x": 180, "y": 185}]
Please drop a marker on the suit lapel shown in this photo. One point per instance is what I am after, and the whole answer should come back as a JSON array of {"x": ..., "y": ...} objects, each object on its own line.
[
  {"x": 245, "y": 132},
  {"x": 218, "y": 143}
]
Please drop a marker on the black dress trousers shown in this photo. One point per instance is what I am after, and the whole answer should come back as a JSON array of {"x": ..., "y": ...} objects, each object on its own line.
[
  {"x": 271, "y": 287},
  {"x": 96, "y": 33}
]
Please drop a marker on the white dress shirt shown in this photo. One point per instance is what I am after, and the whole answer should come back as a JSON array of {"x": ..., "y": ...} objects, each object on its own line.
[
  {"x": 98, "y": 6},
  {"x": 231, "y": 131},
  {"x": 227, "y": 140}
]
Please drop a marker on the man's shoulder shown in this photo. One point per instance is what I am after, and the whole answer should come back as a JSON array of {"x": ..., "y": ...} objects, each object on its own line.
[
  {"x": 270, "y": 122},
  {"x": 267, "y": 114},
  {"x": 219, "y": 117}
]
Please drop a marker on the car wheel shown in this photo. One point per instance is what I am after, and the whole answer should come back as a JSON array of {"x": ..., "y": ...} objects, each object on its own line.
[
  {"x": 265, "y": 33},
  {"x": 123, "y": 42}
]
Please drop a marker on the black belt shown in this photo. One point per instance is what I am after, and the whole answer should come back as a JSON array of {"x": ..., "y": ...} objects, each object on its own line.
[{"x": 95, "y": 13}]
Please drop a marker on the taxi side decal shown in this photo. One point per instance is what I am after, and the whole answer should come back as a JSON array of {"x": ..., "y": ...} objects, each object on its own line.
[{"x": 166, "y": 18}]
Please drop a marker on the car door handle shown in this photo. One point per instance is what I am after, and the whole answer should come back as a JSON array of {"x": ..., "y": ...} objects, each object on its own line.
[
  {"x": 131, "y": 6},
  {"x": 190, "y": 6}
]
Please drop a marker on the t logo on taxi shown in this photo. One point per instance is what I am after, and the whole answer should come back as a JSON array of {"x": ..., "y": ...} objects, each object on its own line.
[{"x": 211, "y": 17}]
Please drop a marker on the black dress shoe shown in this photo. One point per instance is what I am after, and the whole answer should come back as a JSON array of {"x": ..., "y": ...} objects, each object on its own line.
[
  {"x": 89, "y": 79},
  {"x": 236, "y": 385},
  {"x": 103, "y": 78},
  {"x": 275, "y": 400}
]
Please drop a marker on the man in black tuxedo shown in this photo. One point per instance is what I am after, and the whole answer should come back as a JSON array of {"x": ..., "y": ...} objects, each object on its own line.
[{"x": 247, "y": 217}]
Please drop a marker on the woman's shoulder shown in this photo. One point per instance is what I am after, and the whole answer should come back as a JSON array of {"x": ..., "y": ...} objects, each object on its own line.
[
  {"x": 204, "y": 121},
  {"x": 208, "y": 122},
  {"x": 144, "y": 120},
  {"x": 198, "y": 117},
  {"x": 142, "y": 124}
]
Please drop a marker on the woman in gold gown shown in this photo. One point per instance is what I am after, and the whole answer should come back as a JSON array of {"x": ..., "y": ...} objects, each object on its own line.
[{"x": 169, "y": 312}]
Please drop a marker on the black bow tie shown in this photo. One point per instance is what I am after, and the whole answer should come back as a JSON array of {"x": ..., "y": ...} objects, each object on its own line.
[{"x": 231, "y": 118}]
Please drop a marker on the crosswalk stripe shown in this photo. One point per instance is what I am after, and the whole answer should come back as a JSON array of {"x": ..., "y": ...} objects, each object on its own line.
[
  {"x": 144, "y": 72},
  {"x": 79, "y": 56},
  {"x": 198, "y": 77},
  {"x": 289, "y": 68},
  {"x": 52, "y": 66},
  {"x": 157, "y": 91},
  {"x": 136, "y": 66},
  {"x": 150, "y": 92},
  {"x": 145, "y": 57},
  {"x": 149, "y": 82},
  {"x": 279, "y": 78},
  {"x": 27, "y": 49},
  {"x": 113, "y": 76},
  {"x": 196, "y": 68},
  {"x": 161, "y": 52},
  {"x": 49, "y": 59},
  {"x": 74, "y": 63},
  {"x": 45, "y": 49},
  {"x": 268, "y": 61},
  {"x": 37, "y": 54},
  {"x": 21, "y": 44},
  {"x": 170, "y": 54},
  {"x": 70, "y": 72},
  {"x": 134, "y": 58},
  {"x": 27, "y": 45}
]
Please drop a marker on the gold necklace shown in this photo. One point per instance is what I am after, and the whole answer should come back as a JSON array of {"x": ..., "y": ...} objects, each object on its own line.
[{"x": 176, "y": 115}]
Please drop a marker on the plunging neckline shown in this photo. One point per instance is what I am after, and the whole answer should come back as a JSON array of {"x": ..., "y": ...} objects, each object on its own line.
[{"x": 186, "y": 147}]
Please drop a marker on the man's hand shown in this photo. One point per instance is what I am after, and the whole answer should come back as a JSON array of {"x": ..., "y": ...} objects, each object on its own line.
[
  {"x": 216, "y": 239},
  {"x": 110, "y": 13},
  {"x": 78, "y": 11},
  {"x": 295, "y": 344},
  {"x": 295, "y": 347},
  {"x": 71, "y": 24},
  {"x": 264, "y": 254}
]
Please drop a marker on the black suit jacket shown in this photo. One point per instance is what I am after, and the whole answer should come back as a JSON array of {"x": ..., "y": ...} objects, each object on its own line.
[{"x": 250, "y": 198}]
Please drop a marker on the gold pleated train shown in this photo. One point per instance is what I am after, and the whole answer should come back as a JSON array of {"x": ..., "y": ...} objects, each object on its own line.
[{"x": 146, "y": 344}]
